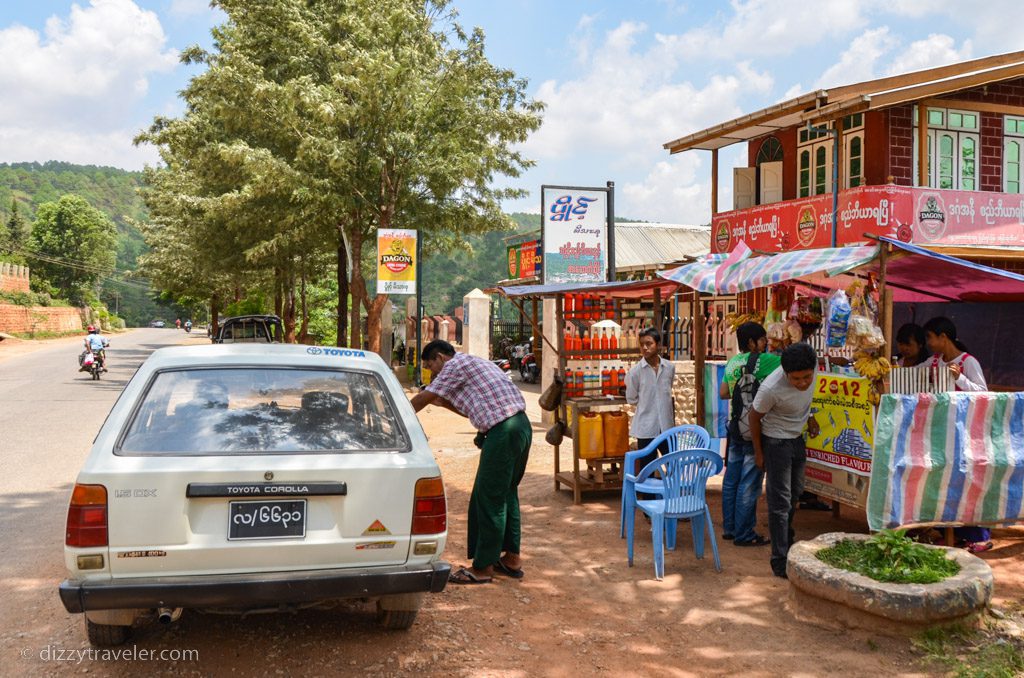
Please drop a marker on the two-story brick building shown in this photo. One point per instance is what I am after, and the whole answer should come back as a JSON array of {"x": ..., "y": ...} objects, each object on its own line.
[{"x": 932, "y": 157}]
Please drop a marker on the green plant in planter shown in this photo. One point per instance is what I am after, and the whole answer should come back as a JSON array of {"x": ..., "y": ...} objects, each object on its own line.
[{"x": 890, "y": 556}]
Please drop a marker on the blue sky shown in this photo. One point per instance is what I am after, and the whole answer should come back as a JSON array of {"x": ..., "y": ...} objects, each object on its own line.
[{"x": 79, "y": 80}]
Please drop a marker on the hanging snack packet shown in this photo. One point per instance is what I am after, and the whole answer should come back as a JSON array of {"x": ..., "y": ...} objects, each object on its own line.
[{"x": 838, "y": 319}]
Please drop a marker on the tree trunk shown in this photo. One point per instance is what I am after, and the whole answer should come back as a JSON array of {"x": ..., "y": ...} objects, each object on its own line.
[
  {"x": 373, "y": 323},
  {"x": 304, "y": 332},
  {"x": 287, "y": 288},
  {"x": 342, "y": 291},
  {"x": 279, "y": 284},
  {"x": 214, "y": 315},
  {"x": 358, "y": 289}
]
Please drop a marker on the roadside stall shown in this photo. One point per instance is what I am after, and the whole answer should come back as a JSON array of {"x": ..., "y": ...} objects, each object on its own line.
[
  {"x": 595, "y": 341},
  {"x": 846, "y": 401}
]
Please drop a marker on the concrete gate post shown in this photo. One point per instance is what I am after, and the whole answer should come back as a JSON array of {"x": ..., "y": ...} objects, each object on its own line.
[{"x": 476, "y": 330}]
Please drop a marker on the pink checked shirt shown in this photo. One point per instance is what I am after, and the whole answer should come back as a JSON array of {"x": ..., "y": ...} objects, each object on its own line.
[{"x": 479, "y": 389}]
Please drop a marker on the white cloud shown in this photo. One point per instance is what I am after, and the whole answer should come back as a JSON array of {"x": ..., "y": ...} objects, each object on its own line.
[
  {"x": 616, "y": 115},
  {"x": 768, "y": 27},
  {"x": 79, "y": 81},
  {"x": 670, "y": 193},
  {"x": 113, "y": 148},
  {"x": 187, "y": 8},
  {"x": 857, "y": 63},
  {"x": 935, "y": 50}
]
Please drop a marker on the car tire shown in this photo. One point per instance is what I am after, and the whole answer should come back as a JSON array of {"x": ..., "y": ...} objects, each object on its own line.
[
  {"x": 395, "y": 620},
  {"x": 106, "y": 635}
]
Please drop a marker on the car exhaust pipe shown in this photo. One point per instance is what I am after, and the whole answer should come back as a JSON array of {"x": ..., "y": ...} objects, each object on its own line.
[{"x": 166, "y": 615}]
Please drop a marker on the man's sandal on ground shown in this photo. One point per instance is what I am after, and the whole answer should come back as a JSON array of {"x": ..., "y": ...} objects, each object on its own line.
[
  {"x": 464, "y": 575},
  {"x": 502, "y": 568}
]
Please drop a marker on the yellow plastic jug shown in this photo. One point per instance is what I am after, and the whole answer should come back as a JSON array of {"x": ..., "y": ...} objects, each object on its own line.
[
  {"x": 616, "y": 433},
  {"x": 591, "y": 435}
]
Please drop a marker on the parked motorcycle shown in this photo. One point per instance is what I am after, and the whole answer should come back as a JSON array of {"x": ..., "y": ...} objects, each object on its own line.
[
  {"x": 529, "y": 370},
  {"x": 504, "y": 365}
]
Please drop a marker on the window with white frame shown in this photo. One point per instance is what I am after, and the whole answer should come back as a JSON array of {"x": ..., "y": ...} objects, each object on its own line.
[
  {"x": 814, "y": 157},
  {"x": 1013, "y": 149},
  {"x": 953, "y": 143}
]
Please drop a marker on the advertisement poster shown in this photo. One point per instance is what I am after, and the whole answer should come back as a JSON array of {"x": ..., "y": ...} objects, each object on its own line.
[
  {"x": 523, "y": 260},
  {"x": 968, "y": 218},
  {"x": 575, "y": 235},
  {"x": 924, "y": 216},
  {"x": 396, "y": 264},
  {"x": 846, "y": 419}
]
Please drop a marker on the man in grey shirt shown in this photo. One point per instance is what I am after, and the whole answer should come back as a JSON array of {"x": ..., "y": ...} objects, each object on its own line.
[
  {"x": 780, "y": 410},
  {"x": 649, "y": 387}
]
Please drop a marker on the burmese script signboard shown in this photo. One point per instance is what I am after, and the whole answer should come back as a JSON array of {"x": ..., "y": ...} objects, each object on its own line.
[
  {"x": 923, "y": 216},
  {"x": 575, "y": 234}
]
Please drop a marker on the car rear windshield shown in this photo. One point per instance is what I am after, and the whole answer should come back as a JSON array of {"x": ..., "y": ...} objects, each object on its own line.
[{"x": 263, "y": 411}]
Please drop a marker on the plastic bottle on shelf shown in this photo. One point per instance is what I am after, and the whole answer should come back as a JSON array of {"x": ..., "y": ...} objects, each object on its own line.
[
  {"x": 569, "y": 306},
  {"x": 613, "y": 381},
  {"x": 578, "y": 382},
  {"x": 613, "y": 345},
  {"x": 586, "y": 340},
  {"x": 622, "y": 379},
  {"x": 606, "y": 381},
  {"x": 603, "y": 341}
]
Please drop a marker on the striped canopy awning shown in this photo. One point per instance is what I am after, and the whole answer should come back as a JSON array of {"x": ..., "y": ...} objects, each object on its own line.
[{"x": 739, "y": 271}]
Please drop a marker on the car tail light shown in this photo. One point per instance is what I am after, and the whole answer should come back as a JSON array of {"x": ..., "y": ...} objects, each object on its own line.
[
  {"x": 87, "y": 517},
  {"x": 430, "y": 511}
]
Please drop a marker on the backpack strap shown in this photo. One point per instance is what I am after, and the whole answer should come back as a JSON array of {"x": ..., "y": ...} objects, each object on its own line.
[{"x": 737, "y": 398}]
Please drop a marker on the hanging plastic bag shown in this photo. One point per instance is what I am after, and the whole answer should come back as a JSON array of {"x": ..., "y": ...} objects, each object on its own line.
[{"x": 839, "y": 310}]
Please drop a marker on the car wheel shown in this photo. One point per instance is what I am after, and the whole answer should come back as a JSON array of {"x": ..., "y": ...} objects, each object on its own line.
[
  {"x": 105, "y": 635},
  {"x": 395, "y": 620}
]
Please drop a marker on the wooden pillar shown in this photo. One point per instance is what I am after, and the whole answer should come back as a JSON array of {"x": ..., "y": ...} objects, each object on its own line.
[
  {"x": 536, "y": 323},
  {"x": 700, "y": 350},
  {"x": 657, "y": 313},
  {"x": 840, "y": 157},
  {"x": 714, "y": 181},
  {"x": 922, "y": 144},
  {"x": 885, "y": 298}
]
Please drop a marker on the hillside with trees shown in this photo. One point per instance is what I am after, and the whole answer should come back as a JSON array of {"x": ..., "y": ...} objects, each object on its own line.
[{"x": 26, "y": 187}]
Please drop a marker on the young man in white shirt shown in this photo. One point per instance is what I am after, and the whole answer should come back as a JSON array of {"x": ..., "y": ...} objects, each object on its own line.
[
  {"x": 649, "y": 387},
  {"x": 780, "y": 411}
]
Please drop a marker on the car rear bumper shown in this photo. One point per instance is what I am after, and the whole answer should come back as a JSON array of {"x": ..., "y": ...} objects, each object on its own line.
[{"x": 252, "y": 590}]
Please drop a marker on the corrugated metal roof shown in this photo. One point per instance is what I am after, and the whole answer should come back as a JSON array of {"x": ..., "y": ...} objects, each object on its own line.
[{"x": 640, "y": 246}]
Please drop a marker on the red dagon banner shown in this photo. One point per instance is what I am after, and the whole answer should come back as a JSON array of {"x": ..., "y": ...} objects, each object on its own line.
[{"x": 919, "y": 215}]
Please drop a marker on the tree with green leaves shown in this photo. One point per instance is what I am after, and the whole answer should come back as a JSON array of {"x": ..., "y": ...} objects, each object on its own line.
[
  {"x": 73, "y": 247},
  {"x": 319, "y": 121},
  {"x": 14, "y": 235}
]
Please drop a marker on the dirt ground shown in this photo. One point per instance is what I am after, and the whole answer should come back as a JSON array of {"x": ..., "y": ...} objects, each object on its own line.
[{"x": 580, "y": 608}]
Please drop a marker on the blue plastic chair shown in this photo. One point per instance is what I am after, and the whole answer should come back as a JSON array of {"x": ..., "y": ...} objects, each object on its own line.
[
  {"x": 686, "y": 437},
  {"x": 684, "y": 477}
]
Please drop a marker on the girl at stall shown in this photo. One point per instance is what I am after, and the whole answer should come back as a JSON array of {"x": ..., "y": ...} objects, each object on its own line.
[
  {"x": 911, "y": 345},
  {"x": 949, "y": 353}
]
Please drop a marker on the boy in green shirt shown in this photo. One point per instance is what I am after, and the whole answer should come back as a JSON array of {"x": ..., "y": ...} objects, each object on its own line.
[{"x": 741, "y": 485}]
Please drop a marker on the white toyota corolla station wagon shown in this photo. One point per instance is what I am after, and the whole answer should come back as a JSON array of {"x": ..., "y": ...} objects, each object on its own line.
[{"x": 252, "y": 476}]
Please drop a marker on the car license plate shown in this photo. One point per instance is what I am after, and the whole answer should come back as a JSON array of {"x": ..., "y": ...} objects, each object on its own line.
[{"x": 267, "y": 519}]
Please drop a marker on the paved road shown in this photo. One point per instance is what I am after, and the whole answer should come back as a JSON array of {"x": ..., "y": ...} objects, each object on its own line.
[{"x": 49, "y": 414}]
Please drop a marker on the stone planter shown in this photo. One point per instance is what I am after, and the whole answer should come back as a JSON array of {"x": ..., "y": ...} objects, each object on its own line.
[{"x": 825, "y": 595}]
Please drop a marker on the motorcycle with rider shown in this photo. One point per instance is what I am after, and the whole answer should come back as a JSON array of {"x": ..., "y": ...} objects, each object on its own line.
[{"x": 94, "y": 358}]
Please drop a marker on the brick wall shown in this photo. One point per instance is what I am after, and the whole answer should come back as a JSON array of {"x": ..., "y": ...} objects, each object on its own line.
[
  {"x": 39, "y": 319},
  {"x": 991, "y": 152},
  {"x": 13, "y": 278},
  {"x": 990, "y": 166},
  {"x": 901, "y": 145}
]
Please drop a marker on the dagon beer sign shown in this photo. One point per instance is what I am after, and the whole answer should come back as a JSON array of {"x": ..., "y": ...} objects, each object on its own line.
[
  {"x": 575, "y": 239},
  {"x": 523, "y": 260},
  {"x": 396, "y": 263}
]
